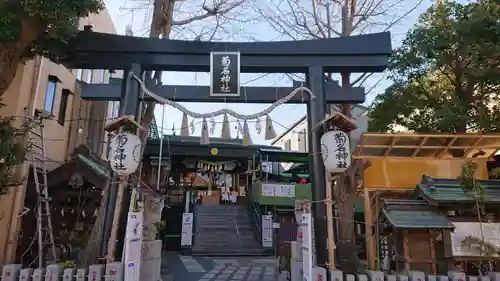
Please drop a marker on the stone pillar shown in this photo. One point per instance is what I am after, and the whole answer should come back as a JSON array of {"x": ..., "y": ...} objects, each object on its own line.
[{"x": 151, "y": 249}]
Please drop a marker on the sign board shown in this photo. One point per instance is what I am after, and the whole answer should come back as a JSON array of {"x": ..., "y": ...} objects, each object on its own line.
[
  {"x": 96, "y": 272},
  {"x": 278, "y": 190},
  {"x": 133, "y": 245},
  {"x": 10, "y": 272},
  {"x": 114, "y": 271},
  {"x": 491, "y": 233},
  {"x": 242, "y": 190},
  {"x": 267, "y": 231},
  {"x": 225, "y": 74},
  {"x": 165, "y": 162},
  {"x": 187, "y": 229}
]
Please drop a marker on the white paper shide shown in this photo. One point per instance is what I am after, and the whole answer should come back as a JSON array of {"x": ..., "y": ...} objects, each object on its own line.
[
  {"x": 335, "y": 150},
  {"x": 125, "y": 150}
]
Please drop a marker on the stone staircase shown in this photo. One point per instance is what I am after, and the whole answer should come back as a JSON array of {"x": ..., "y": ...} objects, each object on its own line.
[{"x": 224, "y": 230}]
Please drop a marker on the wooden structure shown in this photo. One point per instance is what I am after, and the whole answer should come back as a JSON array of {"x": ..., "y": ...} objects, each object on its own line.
[
  {"x": 410, "y": 231},
  {"x": 437, "y": 229},
  {"x": 397, "y": 161},
  {"x": 76, "y": 192}
]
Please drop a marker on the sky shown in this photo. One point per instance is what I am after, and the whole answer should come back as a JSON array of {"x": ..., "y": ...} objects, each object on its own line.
[{"x": 137, "y": 13}]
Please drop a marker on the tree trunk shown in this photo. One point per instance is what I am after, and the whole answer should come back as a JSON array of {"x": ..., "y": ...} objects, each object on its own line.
[
  {"x": 347, "y": 258},
  {"x": 344, "y": 200},
  {"x": 11, "y": 54}
]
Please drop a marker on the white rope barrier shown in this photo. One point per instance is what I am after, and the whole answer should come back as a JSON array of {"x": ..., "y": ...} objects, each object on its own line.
[{"x": 225, "y": 110}]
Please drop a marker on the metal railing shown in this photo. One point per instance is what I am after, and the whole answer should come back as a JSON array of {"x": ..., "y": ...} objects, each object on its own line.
[{"x": 255, "y": 218}]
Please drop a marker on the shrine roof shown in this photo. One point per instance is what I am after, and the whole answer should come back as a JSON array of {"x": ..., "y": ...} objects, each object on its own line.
[
  {"x": 413, "y": 214},
  {"x": 83, "y": 161},
  {"x": 428, "y": 145},
  {"x": 190, "y": 146},
  {"x": 442, "y": 191},
  {"x": 275, "y": 154}
]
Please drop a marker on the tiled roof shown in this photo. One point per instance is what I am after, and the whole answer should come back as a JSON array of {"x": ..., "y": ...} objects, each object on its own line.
[
  {"x": 413, "y": 214},
  {"x": 450, "y": 191}
]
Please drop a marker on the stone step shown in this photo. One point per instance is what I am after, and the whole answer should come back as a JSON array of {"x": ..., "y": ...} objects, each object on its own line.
[
  {"x": 226, "y": 240},
  {"x": 222, "y": 217},
  {"x": 229, "y": 252},
  {"x": 232, "y": 228}
]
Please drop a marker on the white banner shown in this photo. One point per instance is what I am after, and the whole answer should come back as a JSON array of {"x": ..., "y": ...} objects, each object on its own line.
[
  {"x": 187, "y": 229},
  {"x": 307, "y": 246},
  {"x": 267, "y": 231},
  {"x": 278, "y": 190},
  {"x": 133, "y": 245},
  {"x": 463, "y": 230}
]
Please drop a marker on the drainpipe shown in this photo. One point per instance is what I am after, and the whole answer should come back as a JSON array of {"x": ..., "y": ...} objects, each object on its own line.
[{"x": 22, "y": 171}]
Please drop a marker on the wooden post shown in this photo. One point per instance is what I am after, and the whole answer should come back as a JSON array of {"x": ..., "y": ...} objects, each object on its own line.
[
  {"x": 330, "y": 217},
  {"x": 370, "y": 242},
  {"x": 375, "y": 235},
  {"x": 125, "y": 123},
  {"x": 406, "y": 250},
  {"x": 116, "y": 219},
  {"x": 433, "y": 251}
]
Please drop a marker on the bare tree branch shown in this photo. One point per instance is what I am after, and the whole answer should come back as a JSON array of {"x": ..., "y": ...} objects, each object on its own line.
[{"x": 317, "y": 19}]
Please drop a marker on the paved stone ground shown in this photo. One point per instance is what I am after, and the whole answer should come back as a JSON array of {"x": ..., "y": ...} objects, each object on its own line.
[{"x": 187, "y": 268}]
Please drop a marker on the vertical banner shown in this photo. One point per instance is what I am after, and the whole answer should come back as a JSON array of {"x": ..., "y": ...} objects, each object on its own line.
[
  {"x": 187, "y": 229},
  {"x": 307, "y": 242},
  {"x": 225, "y": 74},
  {"x": 267, "y": 231},
  {"x": 133, "y": 245}
]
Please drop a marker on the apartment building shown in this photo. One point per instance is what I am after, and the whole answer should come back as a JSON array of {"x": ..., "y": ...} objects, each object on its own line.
[
  {"x": 296, "y": 137},
  {"x": 53, "y": 89}
]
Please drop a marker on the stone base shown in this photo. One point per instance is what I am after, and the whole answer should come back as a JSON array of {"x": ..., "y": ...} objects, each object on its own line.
[{"x": 151, "y": 261}]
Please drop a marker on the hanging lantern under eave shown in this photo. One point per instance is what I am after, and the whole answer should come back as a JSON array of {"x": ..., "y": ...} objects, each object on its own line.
[
  {"x": 124, "y": 157},
  {"x": 335, "y": 151}
]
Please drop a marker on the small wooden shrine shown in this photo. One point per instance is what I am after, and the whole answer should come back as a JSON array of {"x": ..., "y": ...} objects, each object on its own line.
[
  {"x": 395, "y": 163},
  {"x": 440, "y": 229},
  {"x": 76, "y": 190}
]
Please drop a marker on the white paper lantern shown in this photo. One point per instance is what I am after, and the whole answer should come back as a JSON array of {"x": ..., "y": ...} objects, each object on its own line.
[
  {"x": 125, "y": 153},
  {"x": 336, "y": 152}
]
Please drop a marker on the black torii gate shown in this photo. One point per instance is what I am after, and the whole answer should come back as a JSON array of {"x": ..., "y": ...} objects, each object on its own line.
[{"x": 354, "y": 54}]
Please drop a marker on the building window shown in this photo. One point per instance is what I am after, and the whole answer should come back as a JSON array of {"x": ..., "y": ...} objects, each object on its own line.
[
  {"x": 288, "y": 144},
  {"x": 103, "y": 76},
  {"x": 63, "y": 106},
  {"x": 89, "y": 76},
  {"x": 79, "y": 74},
  {"x": 114, "y": 109},
  {"x": 50, "y": 94}
]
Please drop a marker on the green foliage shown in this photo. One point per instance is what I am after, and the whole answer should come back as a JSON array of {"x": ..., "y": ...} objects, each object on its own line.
[
  {"x": 68, "y": 264},
  {"x": 468, "y": 181},
  {"x": 53, "y": 21},
  {"x": 446, "y": 73},
  {"x": 161, "y": 228},
  {"x": 12, "y": 152},
  {"x": 480, "y": 246}
]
